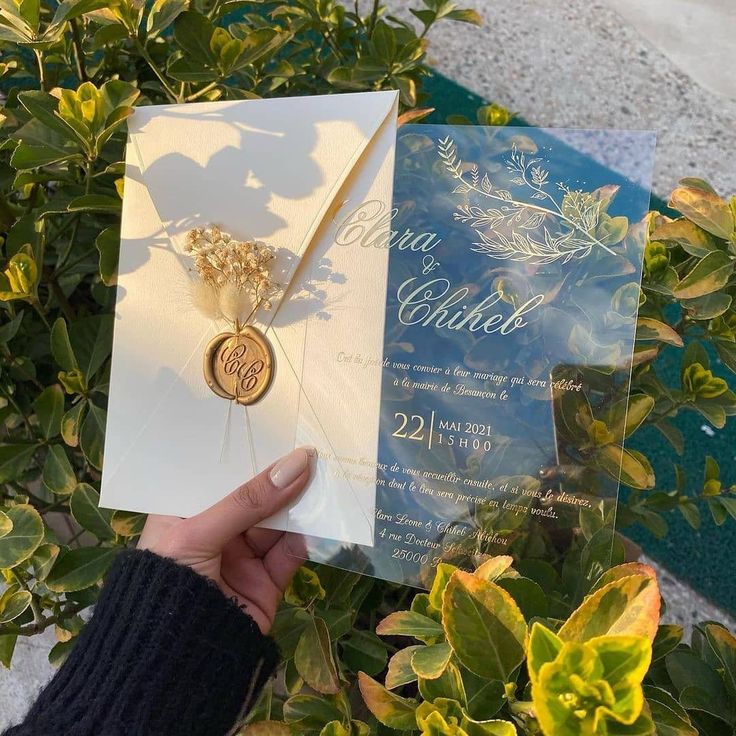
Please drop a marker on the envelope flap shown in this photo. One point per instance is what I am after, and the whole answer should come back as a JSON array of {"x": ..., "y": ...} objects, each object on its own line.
[{"x": 280, "y": 160}]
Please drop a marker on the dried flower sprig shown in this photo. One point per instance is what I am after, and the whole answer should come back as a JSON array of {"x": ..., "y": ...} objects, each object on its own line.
[{"x": 234, "y": 275}]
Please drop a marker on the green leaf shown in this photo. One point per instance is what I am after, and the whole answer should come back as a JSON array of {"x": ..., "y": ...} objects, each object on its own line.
[
  {"x": 193, "y": 32},
  {"x": 91, "y": 338},
  {"x": 314, "y": 660},
  {"x": 310, "y": 713},
  {"x": 70, "y": 9},
  {"x": 13, "y": 603},
  {"x": 77, "y": 569},
  {"x": 483, "y": 698},
  {"x": 190, "y": 70},
  {"x": 708, "y": 275},
  {"x": 10, "y": 329},
  {"x": 43, "y": 107},
  {"x": 723, "y": 643},
  {"x": 705, "y": 209},
  {"x": 61, "y": 347},
  {"x": 364, "y": 651},
  {"x": 14, "y": 459},
  {"x": 25, "y": 536},
  {"x": 85, "y": 508},
  {"x": 400, "y": 671},
  {"x": 668, "y": 722},
  {"x": 383, "y": 39},
  {"x": 108, "y": 246},
  {"x": 667, "y": 639},
  {"x": 628, "y": 605},
  {"x": 430, "y": 662},
  {"x": 92, "y": 437},
  {"x": 49, "y": 408},
  {"x": 484, "y": 626},
  {"x": 60, "y": 651},
  {"x": 58, "y": 474},
  {"x": 410, "y": 623},
  {"x": 7, "y": 647},
  {"x": 390, "y": 709},
  {"x": 528, "y": 595},
  {"x": 95, "y": 203},
  {"x": 163, "y": 14}
]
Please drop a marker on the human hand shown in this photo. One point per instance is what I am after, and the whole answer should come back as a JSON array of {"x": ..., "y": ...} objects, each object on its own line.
[{"x": 251, "y": 565}]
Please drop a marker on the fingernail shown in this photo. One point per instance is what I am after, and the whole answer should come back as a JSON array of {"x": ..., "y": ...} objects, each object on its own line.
[{"x": 289, "y": 468}]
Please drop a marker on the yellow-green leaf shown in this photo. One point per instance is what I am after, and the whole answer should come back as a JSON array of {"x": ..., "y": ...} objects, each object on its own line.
[
  {"x": 43, "y": 560},
  {"x": 13, "y": 603},
  {"x": 544, "y": 646},
  {"x": 58, "y": 474},
  {"x": 708, "y": 275},
  {"x": 494, "y": 567},
  {"x": 430, "y": 662},
  {"x": 268, "y": 728},
  {"x": 400, "y": 671},
  {"x": 5, "y": 524},
  {"x": 705, "y": 209},
  {"x": 409, "y": 623},
  {"x": 629, "y": 605},
  {"x": 652, "y": 329},
  {"x": 390, "y": 709},
  {"x": 628, "y": 466},
  {"x": 692, "y": 239},
  {"x": 127, "y": 523},
  {"x": 314, "y": 660},
  {"x": 484, "y": 626},
  {"x": 26, "y": 534}
]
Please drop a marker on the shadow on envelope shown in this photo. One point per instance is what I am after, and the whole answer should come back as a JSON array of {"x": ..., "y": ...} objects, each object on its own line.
[{"x": 270, "y": 170}]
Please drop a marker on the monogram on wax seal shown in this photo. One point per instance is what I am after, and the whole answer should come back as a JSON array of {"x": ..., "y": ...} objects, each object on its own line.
[
  {"x": 234, "y": 283},
  {"x": 239, "y": 366}
]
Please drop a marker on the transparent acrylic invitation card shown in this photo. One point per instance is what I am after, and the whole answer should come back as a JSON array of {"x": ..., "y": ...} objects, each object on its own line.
[{"x": 514, "y": 261}]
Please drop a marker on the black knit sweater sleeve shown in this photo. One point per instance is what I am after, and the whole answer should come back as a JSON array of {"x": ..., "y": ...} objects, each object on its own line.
[{"x": 164, "y": 653}]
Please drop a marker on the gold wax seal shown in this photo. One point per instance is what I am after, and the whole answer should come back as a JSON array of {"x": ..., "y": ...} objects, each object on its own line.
[{"x": 239, "y": 366}]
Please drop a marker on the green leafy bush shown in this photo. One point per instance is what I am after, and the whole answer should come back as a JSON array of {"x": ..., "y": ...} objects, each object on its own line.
[{"x": 531, "y": 646}]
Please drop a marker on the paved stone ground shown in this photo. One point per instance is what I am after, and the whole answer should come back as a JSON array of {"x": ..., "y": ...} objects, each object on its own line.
[
  {"x": 580, "y": 64},
  {"x": 574, "y": 64}
]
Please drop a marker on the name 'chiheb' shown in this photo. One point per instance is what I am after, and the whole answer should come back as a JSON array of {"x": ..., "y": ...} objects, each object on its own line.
[{"x": 430, "y": 303}]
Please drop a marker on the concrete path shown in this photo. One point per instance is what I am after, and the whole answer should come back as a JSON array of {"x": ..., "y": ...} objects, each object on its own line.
[
  {"x": 581, "y": 64},
  {"x": 699, "y": 37}
]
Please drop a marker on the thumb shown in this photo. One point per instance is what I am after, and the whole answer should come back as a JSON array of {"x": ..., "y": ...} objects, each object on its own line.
[{"x": 252, "y": 502}]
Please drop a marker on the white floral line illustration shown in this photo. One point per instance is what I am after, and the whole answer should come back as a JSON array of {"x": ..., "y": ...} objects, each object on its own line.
[{"x": 579, "y": 214}]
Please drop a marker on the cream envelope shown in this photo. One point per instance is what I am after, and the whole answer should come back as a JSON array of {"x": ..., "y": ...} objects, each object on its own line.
[{"x": 284, "y": 171}]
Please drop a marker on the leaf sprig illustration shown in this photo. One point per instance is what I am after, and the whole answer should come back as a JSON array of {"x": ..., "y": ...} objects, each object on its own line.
[{"x": 578, "y": 216}]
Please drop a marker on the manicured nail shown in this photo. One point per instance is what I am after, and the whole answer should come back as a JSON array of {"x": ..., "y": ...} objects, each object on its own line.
[{"x": 289, "y": 468}]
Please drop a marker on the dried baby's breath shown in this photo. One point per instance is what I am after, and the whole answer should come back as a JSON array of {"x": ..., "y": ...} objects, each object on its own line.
[{"x": 237, "y": 272}]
